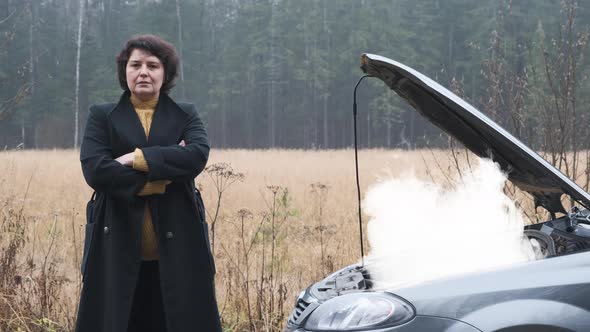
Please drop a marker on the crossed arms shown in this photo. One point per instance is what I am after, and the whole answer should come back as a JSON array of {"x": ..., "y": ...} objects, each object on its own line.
[{"x": 145, "y": 171}]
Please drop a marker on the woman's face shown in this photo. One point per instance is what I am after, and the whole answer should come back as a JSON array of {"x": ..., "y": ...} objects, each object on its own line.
[{"x": 145, "y": 74}]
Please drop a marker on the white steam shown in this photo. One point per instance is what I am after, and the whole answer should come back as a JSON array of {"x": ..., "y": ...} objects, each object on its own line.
[{"x": 419, "y": 232}]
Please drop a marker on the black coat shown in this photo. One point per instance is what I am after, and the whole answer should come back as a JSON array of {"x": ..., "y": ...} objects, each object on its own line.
[{"x": 112, "y": 250}]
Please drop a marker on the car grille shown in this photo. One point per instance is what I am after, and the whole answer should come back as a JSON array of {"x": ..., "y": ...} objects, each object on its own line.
[{"x": 300, "y": 307}]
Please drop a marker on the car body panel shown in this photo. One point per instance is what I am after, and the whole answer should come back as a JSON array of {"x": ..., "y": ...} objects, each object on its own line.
[
  {"x": 526, "y": 169},
  {"x": 544, "y": 292}
]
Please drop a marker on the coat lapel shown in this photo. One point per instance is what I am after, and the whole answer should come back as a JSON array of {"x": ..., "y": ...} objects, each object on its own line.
[
  {"x": 127, "y": 124},
  {"x": 166, "y": 129},
  {"x": 168, "y": 123}
]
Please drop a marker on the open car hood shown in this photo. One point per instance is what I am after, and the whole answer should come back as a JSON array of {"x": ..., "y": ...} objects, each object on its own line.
[{"x": 525, "y": 168}]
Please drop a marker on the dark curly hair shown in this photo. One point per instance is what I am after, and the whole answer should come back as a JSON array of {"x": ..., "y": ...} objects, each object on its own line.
[{"x": 157, "y": 47}]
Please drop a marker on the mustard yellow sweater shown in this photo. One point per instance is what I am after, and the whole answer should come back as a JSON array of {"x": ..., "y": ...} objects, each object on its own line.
[{"x": 149, "y": 242}]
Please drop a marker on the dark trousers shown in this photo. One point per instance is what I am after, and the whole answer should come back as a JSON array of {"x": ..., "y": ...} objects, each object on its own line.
[{"x": 147, "y": 311}]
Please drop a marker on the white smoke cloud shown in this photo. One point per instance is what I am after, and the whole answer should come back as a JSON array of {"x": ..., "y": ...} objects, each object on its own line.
[{"x": 419, "y": 232}]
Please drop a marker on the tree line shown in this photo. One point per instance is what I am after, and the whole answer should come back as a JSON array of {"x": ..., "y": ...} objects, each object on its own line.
[{"x": 280, "y": 73}]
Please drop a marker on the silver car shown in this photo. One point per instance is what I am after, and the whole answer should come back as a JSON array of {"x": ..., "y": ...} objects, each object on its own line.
[{"x": 551, "y": 294}]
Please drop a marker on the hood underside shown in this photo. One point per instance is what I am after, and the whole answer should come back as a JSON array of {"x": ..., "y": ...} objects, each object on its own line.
[{"x": 525, "y": 168}]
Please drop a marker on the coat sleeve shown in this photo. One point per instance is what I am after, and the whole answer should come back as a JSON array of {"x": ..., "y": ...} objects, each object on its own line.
[
  {"x": 177, "y": 162},
  {"x": 101, "y": 171}
]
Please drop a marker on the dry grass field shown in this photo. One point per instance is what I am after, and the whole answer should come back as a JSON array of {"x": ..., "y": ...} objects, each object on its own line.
[{"x": 286, "y": 218}]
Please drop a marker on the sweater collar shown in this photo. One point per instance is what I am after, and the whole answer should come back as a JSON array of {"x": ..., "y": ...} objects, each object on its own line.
[{"x": 141, "y": 104}]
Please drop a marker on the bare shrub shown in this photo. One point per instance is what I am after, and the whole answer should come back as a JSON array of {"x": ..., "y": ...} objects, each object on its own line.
[
  {"x": 29, "y": 294},
  {"x": 255, "y": 284}
]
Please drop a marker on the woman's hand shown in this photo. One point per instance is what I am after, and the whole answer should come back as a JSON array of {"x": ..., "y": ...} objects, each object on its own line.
[{"x": 126, "y": 159}]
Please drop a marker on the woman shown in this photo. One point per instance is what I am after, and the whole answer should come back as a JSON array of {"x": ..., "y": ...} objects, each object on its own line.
[{"x": 147, "y": 263}]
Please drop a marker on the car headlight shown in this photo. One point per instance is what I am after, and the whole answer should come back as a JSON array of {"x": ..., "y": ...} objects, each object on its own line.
[{"x": 360, "y": 311}]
